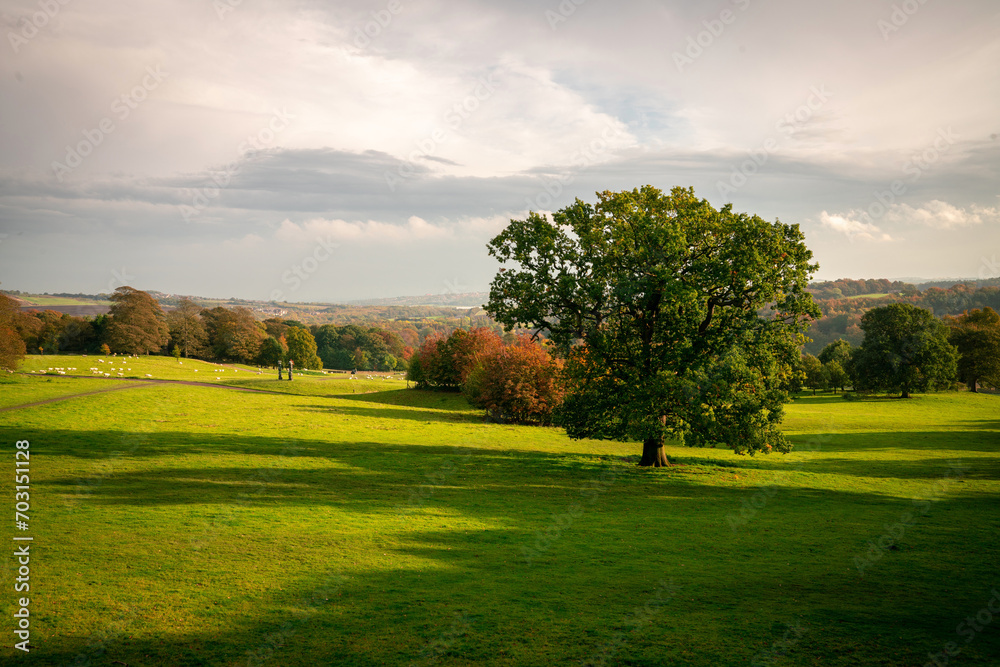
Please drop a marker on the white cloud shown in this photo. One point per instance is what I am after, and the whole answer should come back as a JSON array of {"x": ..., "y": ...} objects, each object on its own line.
[
  {"x": 415, "y": 228},
  {"x": 851, "y": 225},
  {"x": 942, "y": 215}
]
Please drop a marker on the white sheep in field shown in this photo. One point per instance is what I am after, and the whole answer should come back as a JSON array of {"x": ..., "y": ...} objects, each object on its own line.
[
  {"x": 121, "y": 375},
  {"x": 148, "y": 375},
  {"x": 101, "y": 360},
  {"x": 107, "y": 375}
]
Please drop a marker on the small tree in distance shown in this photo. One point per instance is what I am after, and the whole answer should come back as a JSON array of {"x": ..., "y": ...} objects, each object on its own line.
[
  {"x": 837, "y": 375},
  {"x": 816, "y": 374}
]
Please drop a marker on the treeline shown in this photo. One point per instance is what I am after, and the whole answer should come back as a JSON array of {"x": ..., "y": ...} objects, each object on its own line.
[
  {"x": 905, "y": 348},
  {"x": 138, "y": 325},
  {"x": 846, "y": 287},
  {"x": 842, "y": 316}
]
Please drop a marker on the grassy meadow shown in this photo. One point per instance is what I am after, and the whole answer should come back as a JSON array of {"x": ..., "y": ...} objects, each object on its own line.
[{"x": 329, "y": 521}]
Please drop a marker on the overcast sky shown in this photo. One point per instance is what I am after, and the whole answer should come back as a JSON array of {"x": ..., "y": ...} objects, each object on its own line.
[{"x": 341, "y": 150}]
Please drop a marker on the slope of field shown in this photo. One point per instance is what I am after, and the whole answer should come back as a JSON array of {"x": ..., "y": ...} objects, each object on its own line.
[{"x": 359, "y": 523}]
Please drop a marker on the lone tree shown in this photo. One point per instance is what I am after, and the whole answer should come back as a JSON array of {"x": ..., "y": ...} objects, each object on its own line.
[
  {"x": 905, "y": 349},
  {"x": 976, "y": 334},
  {"x": 138, "y": 325},
  {"x": 675, "y": 319}
]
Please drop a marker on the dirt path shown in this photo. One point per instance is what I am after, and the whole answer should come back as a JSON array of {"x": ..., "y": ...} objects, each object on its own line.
[{"x": 139, "y": 382}]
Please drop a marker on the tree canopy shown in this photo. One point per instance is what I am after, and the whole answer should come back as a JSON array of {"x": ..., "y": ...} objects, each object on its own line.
[
  {"x": 676, "y": 319},
  {"x": 12, "y": 347},
  {"x": 976, "y": 334},
  {"x": 138, "y": 325},
  {"x": 302, "y": 349},
  {"x": 905, "y": 349},
  {"x": 234, "y": 333}
]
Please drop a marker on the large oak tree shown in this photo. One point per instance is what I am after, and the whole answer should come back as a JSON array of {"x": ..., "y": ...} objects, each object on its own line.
[{"x": 676, "y": 319}]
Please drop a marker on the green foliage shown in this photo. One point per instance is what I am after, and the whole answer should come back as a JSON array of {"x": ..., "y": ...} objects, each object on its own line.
[
  {"x": 654, "y": 299},
  {"x": 839, "y": 350},
  {"x": 302, "y": 349},
  {"x": 976, "y": 335},
  {"x": 905, "y": 349},
  {"x": 271, "y": 352},
  {"x": 837, "y": 375},
  {"x": 350, "y": 346},
  {"x": 817, "y": 376}
]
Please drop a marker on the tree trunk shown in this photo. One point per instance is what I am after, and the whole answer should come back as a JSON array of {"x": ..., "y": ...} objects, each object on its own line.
[
  {"x": 906, "y": 393},
  {"x": 653, "y": 453}
]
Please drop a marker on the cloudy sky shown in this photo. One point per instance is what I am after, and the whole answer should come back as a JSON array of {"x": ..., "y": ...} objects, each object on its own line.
[{"x": 306, "y": 150}]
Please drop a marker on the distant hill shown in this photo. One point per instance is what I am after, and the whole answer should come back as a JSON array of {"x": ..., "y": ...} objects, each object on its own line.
[{"x": 465, "y": 300}]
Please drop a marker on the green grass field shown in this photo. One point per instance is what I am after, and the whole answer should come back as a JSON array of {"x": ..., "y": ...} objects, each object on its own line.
[
  {"x": 329, "y": 521},
  {"x": 42, "y": 300}
]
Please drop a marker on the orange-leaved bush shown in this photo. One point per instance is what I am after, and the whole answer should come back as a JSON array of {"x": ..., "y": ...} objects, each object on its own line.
[{"x": 519, "y": 383}]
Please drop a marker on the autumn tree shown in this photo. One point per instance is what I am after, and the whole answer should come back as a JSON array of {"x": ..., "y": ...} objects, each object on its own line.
[
  {"x": 186, "y": 328},
  {"x": 676, "y": 319},
  {"x": 976, "y": 334},
  {"x": 445, "y": 363},
  {"x": 234, "y": 334},
  {"x": 905, "y": 349},
  {"x": 138, "y": 325},
  {"x": 517, "y": 383},
  {"x": 12, "y": 347}
]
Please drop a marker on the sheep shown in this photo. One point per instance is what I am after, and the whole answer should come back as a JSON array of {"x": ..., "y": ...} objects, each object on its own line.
[{"x": 148, "y": 375}]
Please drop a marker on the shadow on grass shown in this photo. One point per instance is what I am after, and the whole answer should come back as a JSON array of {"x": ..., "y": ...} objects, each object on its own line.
[
  {"x": 452, "y": 585},
  {"x": 421, "y": 415}
]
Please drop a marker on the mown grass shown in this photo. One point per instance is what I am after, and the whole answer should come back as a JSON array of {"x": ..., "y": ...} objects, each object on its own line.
[{"x": 356, "y": 522}]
